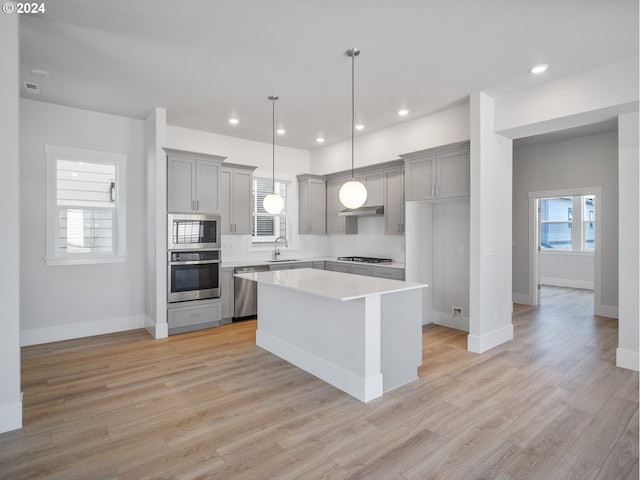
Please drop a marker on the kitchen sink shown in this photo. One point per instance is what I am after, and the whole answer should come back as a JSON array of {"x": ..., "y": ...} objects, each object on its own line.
[{"x": 283, "y": 260}]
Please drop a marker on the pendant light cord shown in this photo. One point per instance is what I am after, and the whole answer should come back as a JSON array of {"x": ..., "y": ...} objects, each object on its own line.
[
  {"x": 273, "y": 143},
  {"x": 353, "y": 109}
]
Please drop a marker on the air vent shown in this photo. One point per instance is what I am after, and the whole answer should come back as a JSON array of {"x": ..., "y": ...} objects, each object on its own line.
[{"x": 32, "y": 88}]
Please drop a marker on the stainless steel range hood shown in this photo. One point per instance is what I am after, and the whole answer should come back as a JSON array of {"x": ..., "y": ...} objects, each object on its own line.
[{"x": 363, "y": 211}]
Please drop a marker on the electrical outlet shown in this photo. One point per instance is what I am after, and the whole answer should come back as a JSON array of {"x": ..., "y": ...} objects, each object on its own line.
[{"x": 456, "y": 312}]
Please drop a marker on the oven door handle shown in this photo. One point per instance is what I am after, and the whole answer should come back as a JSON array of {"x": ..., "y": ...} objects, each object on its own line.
[{"x": 195, "y": 262}]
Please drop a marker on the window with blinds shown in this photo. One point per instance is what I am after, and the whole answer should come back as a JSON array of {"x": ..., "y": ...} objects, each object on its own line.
[
  {"x": 266, "y": 227},
  {"x": 85, "y": 205}
]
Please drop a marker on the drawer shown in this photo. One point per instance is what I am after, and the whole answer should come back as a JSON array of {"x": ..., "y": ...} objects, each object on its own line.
[
  {"x": 388, "y": 272},
  {"x": 193, "y": 315}
]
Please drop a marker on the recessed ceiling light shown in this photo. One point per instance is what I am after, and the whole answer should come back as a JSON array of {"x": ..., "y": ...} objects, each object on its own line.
[
  {"x": 403, "y": 111},
  {"x": 320, "y": 139},
  {"x": 281, "y": 131},
  {"x": 40, "y": 73},
  {"x": 360, "y": 126},
  {"x": 233, "y": 121},
  {"x": 539, "y": 68}
]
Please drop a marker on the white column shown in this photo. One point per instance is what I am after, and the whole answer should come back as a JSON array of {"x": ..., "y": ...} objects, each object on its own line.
[
  {"x": 10, "y": 396},
  {"x": 491, "y": 230},
  {"x": 628, "y": 242}
]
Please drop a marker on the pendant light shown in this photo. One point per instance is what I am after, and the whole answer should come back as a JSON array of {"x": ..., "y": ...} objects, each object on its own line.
[
  {"x": 353, "y": 194},
  {"x": 273, "y": 203}
]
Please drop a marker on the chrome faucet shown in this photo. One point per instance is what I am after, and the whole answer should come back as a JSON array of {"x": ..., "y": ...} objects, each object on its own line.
[{"x": 276, "y": 250}]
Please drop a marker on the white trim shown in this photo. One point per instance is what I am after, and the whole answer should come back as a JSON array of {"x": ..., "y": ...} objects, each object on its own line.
[
  {"x": 488, "y": 341},
  {"x": 446, "y": 320},
  {"x": 567, "y": 282},
  {"x": 53, "y": 256},
  {"x": 11, "y": 416},
  {"x": 609, "y": 311},
  {"x": 576, "y": 253},
  {"x": 521, "y": 298},
  {"x": 36, "y": 336},
  {"x": 360, "y": 387},
  {"x": 156, "y": 330},
  {"x": 628, "y": 359},
  {"x": 534, "y": 240}
]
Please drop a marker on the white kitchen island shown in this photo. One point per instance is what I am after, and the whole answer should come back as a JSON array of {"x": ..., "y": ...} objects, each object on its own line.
[{"x": 361, "y": 334}]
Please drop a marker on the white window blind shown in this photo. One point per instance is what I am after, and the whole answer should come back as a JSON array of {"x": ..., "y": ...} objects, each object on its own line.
[
  {"x": 266, "y": 227},
  {"x": 85, "y": 206}
]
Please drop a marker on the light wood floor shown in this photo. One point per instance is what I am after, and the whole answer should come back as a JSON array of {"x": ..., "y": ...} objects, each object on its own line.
[{"x": 548, "y": 405}]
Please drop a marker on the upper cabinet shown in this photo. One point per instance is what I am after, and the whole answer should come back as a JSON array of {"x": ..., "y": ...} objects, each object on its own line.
[
  {"x": 438, "y": 173},
  {"x": 335, "y": 223},
  {"x": 235, "y": 199},
  {"x": 393, "y": 182},
  {"x": 312, "y": 205},
  {"x": 373, "y": 182},
  {"x": 192, "y": 182}
]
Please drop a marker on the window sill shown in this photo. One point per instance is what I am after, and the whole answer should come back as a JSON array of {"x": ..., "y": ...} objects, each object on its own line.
[
  {"x": 82, "y": 260},
  {"x": 577, "y": 253}
]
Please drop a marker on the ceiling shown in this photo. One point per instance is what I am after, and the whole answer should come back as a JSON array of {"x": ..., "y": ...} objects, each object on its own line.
[{"x": 207, "y": 60}]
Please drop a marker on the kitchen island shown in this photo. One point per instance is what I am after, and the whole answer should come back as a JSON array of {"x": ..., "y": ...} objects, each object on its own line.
[{"x": 362, "y": 335}]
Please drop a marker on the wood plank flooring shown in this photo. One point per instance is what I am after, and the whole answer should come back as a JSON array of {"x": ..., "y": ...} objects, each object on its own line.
[{"x": 548, "y": 405}]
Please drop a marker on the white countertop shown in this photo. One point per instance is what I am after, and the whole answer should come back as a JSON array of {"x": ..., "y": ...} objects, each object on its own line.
[
  {"x": 256, "y": 262},
  {"x": 334, "y": 285}
]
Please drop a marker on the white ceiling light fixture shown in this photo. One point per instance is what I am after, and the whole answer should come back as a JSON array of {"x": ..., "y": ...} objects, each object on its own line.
[
  {"x": 234, "y": 121},
  {"x": 273, "y": 203},
  {"x": 320, "y": 139},
  {"x": 281, "y": 131},
  {"x": 360, "y": 126},
  {"x": 403, "y": 112},
  {"x": 353, "y": 194},
  {"x": 539, "y": 68}
]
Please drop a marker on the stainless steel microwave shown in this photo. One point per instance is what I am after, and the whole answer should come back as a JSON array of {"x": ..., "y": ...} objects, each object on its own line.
[{"x": 193, "y": 231}]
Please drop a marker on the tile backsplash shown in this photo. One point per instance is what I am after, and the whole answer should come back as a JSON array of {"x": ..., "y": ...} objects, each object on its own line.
[{"x": 369, "y": 242}]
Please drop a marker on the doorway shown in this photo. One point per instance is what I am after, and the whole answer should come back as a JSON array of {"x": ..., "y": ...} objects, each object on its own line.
[{"x": 564, "y": 239}]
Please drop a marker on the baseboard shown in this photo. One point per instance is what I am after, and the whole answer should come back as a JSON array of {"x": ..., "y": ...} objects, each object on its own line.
[
  {"x": 445, "y": 320},
  {"x": 609, "y": 311},
  {"x": 156, "y": 330},
  {"x": 628, "y": 359},
  {"x": 11, "y": 416},
  {"x": 567, "y": 282},
  {"x": 521, "y": 298},
  {"x": 364, "y": 389},
  {"x": 36, "y": 336},
  {"x": 480, "y": 344}
]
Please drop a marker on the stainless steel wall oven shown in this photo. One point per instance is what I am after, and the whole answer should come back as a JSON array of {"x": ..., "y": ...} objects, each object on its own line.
[{"x": 193, "y": 275}]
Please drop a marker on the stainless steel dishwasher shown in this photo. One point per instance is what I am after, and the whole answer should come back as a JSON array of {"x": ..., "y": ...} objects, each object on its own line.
[{"x": 245, "y": 293}]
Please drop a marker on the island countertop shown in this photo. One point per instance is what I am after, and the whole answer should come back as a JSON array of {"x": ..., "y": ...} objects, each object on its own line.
[{"x": 334, "y": 285}]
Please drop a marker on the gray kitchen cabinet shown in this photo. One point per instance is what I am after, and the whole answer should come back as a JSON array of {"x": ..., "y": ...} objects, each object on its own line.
[
  {"x": 335, "y": 223},
  {"x": 387, "y": 272},
  {"x": 312, "y": 205},
  {"x": 227, "y": 294},
  {"x": 290, "y": 266},
  {"x": 360, "y": 269},
  {"x": 338, "y": 267},
  {"x": 235, "y": 199},
  {"x": 196, "y": 315},
  {"x": 393, "y": 180},
  {"x": 192, "y": 182},
  {"x": 437, "y": 173},
  {"x": 375, "y": 191},
  {"x": 318, "y": 264}
]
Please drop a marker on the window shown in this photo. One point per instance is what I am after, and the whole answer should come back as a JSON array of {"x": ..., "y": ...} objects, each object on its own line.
[
  {"x": 567, "y": 223},
  {"x": 85, "y": 206},
  {"x": 266, "y": 227}
]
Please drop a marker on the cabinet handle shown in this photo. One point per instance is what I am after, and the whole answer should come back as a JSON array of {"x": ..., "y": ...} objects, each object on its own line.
[
  {"x": 197, "y": 204},
  {"x": 437, "y": 190},
  {"x": 193, "y": 205},
  {"x": 433, "y": 190}
]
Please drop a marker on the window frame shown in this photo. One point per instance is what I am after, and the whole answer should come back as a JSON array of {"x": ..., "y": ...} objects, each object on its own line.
[
  {"x": 53, "y": 256},
  {"x": 264, "y": 241},
  {"x": 576, "y": 222}
]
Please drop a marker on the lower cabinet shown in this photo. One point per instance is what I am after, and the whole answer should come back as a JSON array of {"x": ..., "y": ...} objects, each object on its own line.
[
  {"x": 367, "y": 270},
  {"x": 195, "y": 315},
  {"x": 318, "y": 264},
  {"x": 289, "y": 266},
  {"x": 388, "y": 272}
]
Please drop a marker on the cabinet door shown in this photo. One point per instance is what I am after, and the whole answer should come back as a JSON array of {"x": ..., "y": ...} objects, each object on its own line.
[
  {"x": 387, "y": 272},
  {"x": 342, "y": 267},
  {"x": 227, "y": 293},
  {"x": 280, "y": 266},
  {"x": 207, "y": 187},
  {"x": 454, "y": 174},
  {"x": 180, "y": 185},
  {"x": 361, "y": 270},
  {"x": 318, "y": 265},
  {"x": 226, "y": 199},
  {"x": 421, "y": 178},
  {"x": 393, "y": 202},
  {"x": 241, "y": 217},
  {"x": 335, "y": 223},
  {"x": 317, "y": 212},
  {"x": 301, "y": 265},
  {"x": 304, "y": 223},
  {"x": 375, "y": 190}
]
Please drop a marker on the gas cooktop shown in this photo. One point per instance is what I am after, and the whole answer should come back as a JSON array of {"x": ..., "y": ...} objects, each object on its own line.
[{"x": 365, "y": 259}]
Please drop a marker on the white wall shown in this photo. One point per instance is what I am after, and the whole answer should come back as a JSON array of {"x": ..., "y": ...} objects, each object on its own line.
[
  {"x": 10, "y": 396},
  {"x": 567, "y": 269},
  {"x": 442, "y": 128},
  {"x": 64, "y": 302},
  {"x": 589, "y": 161},
  {"x": 629, "y": 235},
  {"x": 490, "y": 230}
]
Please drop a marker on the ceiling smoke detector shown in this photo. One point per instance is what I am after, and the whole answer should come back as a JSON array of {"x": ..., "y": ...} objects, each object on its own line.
[{"x": 32, "y": 88}]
